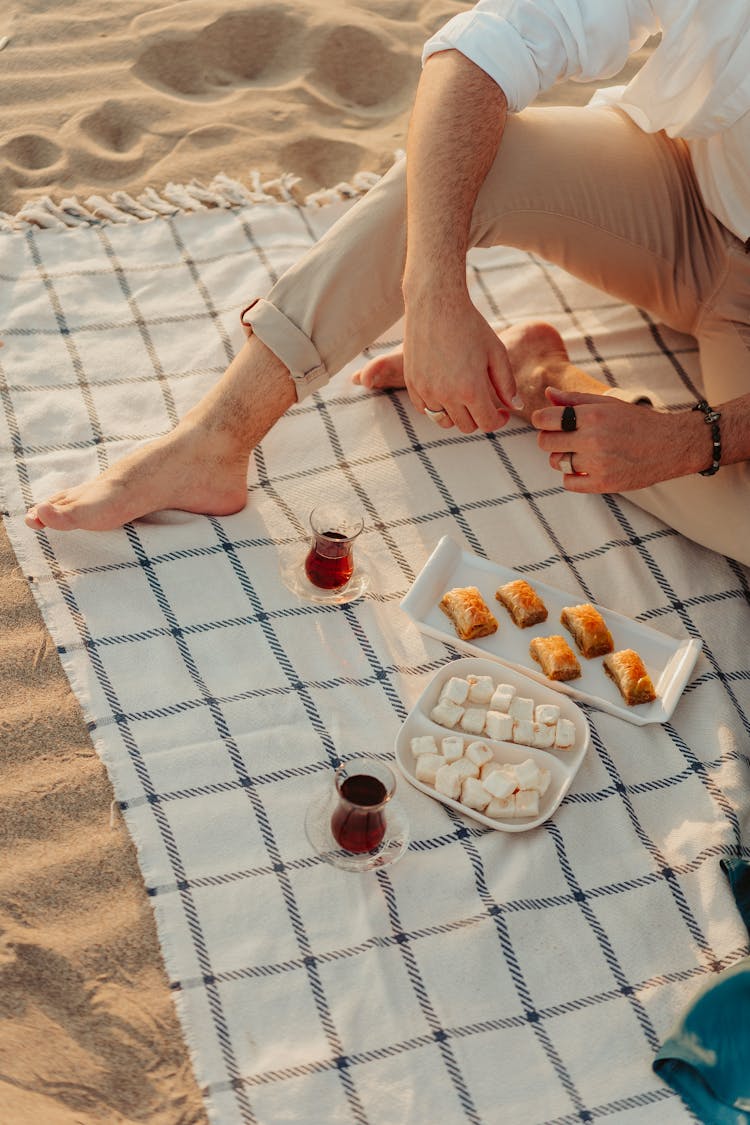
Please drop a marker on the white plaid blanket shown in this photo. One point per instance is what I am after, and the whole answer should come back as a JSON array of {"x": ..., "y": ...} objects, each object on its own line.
[{"x": 486, "y": 977}]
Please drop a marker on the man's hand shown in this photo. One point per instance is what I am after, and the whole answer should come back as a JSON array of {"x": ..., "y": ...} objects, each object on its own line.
[
  {"x": 454, "y": 361},
  {"x": 618, "y": 446}
]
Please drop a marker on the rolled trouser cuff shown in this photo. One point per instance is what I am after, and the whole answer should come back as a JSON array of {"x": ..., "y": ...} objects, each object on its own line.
[{"x": 289, "y": 344}]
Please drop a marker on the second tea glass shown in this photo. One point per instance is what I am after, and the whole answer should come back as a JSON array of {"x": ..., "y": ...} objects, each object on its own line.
[{"x": 354, "y": 823}]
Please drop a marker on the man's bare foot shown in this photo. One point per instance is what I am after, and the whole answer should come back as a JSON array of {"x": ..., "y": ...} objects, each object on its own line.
[
  {"x": 201, "y": 466},
  {"x": 537, "y": 355},
  {"x": 382, "y": 372},
  {"x": 180, "y": 470},
  {"x": 539, "y": 359}
]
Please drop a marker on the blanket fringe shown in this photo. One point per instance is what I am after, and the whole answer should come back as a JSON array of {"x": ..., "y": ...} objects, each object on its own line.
[{"x": 178, "y": 199}]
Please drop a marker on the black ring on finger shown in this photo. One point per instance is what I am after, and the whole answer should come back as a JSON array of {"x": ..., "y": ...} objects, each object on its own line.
[{"x": 569, "y": 421}]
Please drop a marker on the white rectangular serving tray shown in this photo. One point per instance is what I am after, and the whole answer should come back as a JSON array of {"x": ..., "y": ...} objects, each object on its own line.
[
  {"x": 669, "y": 662},
  {"x": 562, "y": 764}
]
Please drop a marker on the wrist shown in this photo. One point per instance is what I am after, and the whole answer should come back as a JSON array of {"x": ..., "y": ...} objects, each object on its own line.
[
  {"x": 712, "y": 419},
  {"x": 691, "y": 445},
  {"x": 427, "y": 285}
]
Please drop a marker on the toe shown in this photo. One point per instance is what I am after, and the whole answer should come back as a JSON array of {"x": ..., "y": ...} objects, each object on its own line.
[
  {"x": 385, "y": 371},
  {"x": 31, "y": 519},
  {"x": 49, "y": 515}
]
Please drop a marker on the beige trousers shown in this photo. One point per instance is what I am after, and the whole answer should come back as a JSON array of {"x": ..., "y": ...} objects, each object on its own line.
[{"x": 585, "y": 189}]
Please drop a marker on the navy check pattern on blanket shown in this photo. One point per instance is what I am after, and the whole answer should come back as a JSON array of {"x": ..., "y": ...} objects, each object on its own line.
[{"x": 486, "y": 977}]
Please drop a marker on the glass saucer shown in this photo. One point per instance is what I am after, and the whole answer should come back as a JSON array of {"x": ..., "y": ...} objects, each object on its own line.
[
  {"x": 318, "y": 831},
  {"x": 292, "y": 571}
]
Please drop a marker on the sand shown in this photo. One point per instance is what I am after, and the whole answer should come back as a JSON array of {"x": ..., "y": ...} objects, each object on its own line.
[
  {"x": 144, "y": 95},
  {"x": 97, "y": 102},
  {"x": 96, "y": 98}
]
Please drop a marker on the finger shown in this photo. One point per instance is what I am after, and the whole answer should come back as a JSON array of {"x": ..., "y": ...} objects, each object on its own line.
[
  {"x": 557, "y": 441},
  {"x": 421, "y": 405},
  {"x": 489, "y": 411},
  {"x": 445, "y": 422},
  {"x": 503, "y": 380},
  {"x": 416, "y": 399},
  {"x": 579, "y": 483},
  {"x": 485, "y": 415},
  {"x": 480, "y": 402},
  {"x": 550, "y": 419},
  {"x": 560, "y": 462},
  {"x": 442, "y": 418},
  {"x": 502, "y": 419},
  {"x": 490, "y": 415},
  {"x": 469, "y": 420},
  {"x": 571, "y": 398},
  {"x": 464, "y": 420}
]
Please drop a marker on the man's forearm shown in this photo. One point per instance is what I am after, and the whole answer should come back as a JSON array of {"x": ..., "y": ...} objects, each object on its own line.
[{"x": 456, "y": 128}]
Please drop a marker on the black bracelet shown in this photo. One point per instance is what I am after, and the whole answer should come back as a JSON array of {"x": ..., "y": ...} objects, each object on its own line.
[{"x": 711, "y": 418}]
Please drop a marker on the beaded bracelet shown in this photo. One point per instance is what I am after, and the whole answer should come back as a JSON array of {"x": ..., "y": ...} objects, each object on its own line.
[{"x": 711, "y": 418}]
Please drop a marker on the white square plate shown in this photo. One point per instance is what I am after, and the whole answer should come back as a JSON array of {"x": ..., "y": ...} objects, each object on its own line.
[
  {"x": 562, "y": 764},
  {"x": 669, "y": 662}
]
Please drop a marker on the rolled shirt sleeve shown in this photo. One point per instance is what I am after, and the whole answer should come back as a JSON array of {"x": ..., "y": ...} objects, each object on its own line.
[{"x": 527, "y": 46}]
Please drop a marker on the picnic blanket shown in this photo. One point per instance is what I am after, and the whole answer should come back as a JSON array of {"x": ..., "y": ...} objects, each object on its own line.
[{"x": 486, "y": 976}]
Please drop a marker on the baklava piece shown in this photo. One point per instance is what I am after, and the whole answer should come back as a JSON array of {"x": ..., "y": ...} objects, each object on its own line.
[
  {"x": 522, "y": 603},
  {"x": 629, "y": 673},
  {"x": 589, "y": 629},
  {"x": 556, "y": 657},
  {"x": 469, "y": 613}
]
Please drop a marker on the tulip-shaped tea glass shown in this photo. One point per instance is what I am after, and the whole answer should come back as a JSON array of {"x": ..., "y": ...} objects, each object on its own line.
[
  {"x": 355, "y": 823},
  {"x": 328, "y": 569},
  {"x": 329, "y": 564}
]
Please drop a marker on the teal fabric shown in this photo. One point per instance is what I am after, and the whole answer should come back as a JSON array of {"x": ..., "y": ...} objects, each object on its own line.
[
  {"x": 738, "y": 873},
  {"x": 706, "y": 1059}
]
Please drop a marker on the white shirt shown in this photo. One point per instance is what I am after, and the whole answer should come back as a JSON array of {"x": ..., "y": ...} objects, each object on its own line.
[{"x": 695, "y": 85}]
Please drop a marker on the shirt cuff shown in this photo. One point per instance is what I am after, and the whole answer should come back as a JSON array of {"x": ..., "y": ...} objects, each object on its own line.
[{"x": 508, "y": 60}]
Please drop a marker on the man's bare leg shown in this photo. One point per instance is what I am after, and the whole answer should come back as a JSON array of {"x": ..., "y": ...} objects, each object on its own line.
[
  {"x": 201, "y": 466},
  {"x": 537, "y": 356}
]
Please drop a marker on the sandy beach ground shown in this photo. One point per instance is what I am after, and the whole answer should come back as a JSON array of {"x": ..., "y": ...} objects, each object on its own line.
[{"x": 97, "y": 98}]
